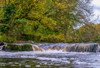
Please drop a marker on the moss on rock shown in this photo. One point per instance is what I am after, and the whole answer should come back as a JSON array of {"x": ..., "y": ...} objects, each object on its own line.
[{"x": 18, "y": 47}]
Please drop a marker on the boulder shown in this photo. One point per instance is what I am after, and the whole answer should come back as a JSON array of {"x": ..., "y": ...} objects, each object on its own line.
[
  {"x": 36, "y": 48},
  {"x": 41, "y": 49},
  {"x": 56, "y": 48},
  {"x": 3, "y": 45},
  {"x": 50, "y": 48},
  {"x": 81, "y": 48},
  {"x": 13, "y": 47},
  {"x": 25, "y": 42},
  {"x": 99, "y": 49}
]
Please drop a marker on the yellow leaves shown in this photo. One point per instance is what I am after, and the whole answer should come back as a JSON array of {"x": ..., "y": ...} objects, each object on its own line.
[
  {"x": 58, "y": 4},
  {"x": 40, "y": 2},
  {"x": 98, "y": 26},
  {"x": 44, "y": 20},
  {"x": 61, "y": 36},
  {"x": 2, "y": 3},
  {"x": 48, "y": 22},
  {"x": 31, "y": 24},
  {"x": 62, "y": 22},
  {"x": 34, "y": 0},
  {"x": 12, "y": 1},
  {"x": 20, "y": 25},
  {"x": 68, "y": 4},
  {"x": 70, "y": 22},
  {"x": 34, "y": 15},
  {"x": 66, "y": 0},
  {"x": 62, "y": 5}
]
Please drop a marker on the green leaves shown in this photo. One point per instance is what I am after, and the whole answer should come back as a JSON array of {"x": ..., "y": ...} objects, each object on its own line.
[
  {"x": 42, "y": 20},
  {"x": 9, "y": 10}
]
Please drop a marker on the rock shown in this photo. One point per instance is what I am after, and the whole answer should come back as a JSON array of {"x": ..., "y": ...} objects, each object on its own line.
[
  {"x": 66, "y": 48},
  {"x": 56, "y": 48},
  {"x": 81, "y": 48},
  {"x": 41, "y": 49},
  {"x": 3, "y": 45},
  {"x": 25, "y": 41},
  {"x": 99, "y": 49},
  {"x": 49, "y": 48},
  {"x": 12, "y": 47},
  {"x": 36, "y": 48}
]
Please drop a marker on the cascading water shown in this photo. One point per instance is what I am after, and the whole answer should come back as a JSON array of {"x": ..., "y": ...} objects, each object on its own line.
[
  {"x": 1, "y": 48},
  {"x": 64, "y": 47},
  {"x": 2, "y": 45},
  {"x": 75, "y": 47},
  {"x": 50, "y": 58}
]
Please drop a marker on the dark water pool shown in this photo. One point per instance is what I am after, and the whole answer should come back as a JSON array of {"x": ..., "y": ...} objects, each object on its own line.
[{"x": 49, "y": 59}]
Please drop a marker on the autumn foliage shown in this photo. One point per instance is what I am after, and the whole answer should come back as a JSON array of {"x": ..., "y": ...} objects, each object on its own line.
[{"x": 47, "y": 21}]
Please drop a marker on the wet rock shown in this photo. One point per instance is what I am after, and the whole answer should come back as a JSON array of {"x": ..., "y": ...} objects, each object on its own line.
[
  {"x": 41, "y": 49},
  {"x": 99, "y": 49},
  {"x": 81, "y": 48},
  {"x": 25, "y": 42},
  {"x": 50, "y": 48},
  {"x": 3, "y": 45},
  {"x": 67, "y": 48},
  {"x": 12, "y": 47},
  {"x": 56, "y": 48},
  {"x": 36, "y": 48}
]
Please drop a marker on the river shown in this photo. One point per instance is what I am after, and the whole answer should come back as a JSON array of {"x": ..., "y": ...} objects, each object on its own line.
[{"x": 49, "y": 59}]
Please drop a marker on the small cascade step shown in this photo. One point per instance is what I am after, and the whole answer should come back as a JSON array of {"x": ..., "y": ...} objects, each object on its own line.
[{"x": 2, "y": 45}]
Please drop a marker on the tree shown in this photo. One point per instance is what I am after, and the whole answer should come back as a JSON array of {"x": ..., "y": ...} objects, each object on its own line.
[{"x": 44, "y": 20}]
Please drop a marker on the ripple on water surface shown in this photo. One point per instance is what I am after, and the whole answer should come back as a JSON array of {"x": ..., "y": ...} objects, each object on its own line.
[{"x": 49, "y": 59}]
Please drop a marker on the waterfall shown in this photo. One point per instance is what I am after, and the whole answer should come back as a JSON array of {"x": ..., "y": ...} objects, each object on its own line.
[
  {"x": 59, "y": 47},
  {"x": 2, "y": 45},
  {"x": 71, "y": 47},
  {"x": 81, "y": 48}
]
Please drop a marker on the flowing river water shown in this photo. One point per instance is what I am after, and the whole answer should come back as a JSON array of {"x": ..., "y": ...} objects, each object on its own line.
[{"x": 49, "y": 59}]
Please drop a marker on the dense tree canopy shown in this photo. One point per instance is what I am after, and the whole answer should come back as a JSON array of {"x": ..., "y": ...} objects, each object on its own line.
[{"x": 46, "y": 21}]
